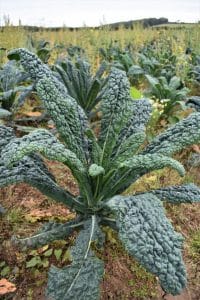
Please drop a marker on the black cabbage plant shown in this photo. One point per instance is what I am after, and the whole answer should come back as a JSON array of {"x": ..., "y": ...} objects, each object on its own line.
[
  {"x": 81, "y": 84},
  {"x": 103, "y": 166},
  {"x": 169, "y": 93},
  {"x": 13, "y": 91}
]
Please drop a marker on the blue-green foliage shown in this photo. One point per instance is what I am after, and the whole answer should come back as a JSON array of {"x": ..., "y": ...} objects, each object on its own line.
[
  {"x": 64, "y": 283},
  {"x": 82, "y": 85},
  {"x": 103, "y": 166},
  {"x": 12, "y": 91},
  {"x": 149, "y": 236},
  {"x": 169, "y": 92}
]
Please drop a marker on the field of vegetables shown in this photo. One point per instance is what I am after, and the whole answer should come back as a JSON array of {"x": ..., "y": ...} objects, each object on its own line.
[{"x": 100, "y": 163}]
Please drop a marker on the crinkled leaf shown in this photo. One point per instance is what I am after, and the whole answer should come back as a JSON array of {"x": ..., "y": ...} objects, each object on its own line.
[
  {"x": 130, "y": 170},
  {"x": 69, "y": 118},
  {"x": 141, "y": 111},
  {"x": 141, "y": 164},
  {"x": 115, "y": 107},
  {"x": 41, "y": 140},
  {"x": 30, "y": 171},
  {"x": 86, "y": 285},
  {"x": 149, "y": 236},
  {"x": 44, "y": 142},
  {"x": 81, "y": 279},
  {"x": 30, "y": 62},
  {"x": 6, "y": 135},
  {"x": 194, "y": 102},
  {"x": 129, "y": 147},
  {"x": 182, "y": 134},
  {"x": 187, "y": 193},
  {"x": 48, "y": 233},
  {"x": 10, "y": 76},
  {"x": 35, "y": 68}
]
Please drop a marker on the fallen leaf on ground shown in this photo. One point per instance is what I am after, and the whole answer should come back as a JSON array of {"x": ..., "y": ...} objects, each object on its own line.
[
  {"x": 196, "y": 148},
  {"x": 49, "y": 213},
  {"x": 33, "y": 113},
  {"x": 6, "y": 287}
]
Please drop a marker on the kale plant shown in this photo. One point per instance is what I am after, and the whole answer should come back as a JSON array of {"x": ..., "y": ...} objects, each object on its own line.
[
  {"x": 169, "y": 93},
  {"x": 118, "y": 57},
  {"x": 13, "y": 92},
  {"x": 157, "y": 59},
  {"x": 103, "y": 166},
  {"x": 40, "y": 47},
  {"x": 81, "y": 84}
]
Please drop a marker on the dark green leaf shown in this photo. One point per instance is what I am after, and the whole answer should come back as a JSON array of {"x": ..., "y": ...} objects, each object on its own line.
[
  {"x": 81, "y": 279},
  {"x": 149, "y": 236},
  {"x": 187, "y": 193}
]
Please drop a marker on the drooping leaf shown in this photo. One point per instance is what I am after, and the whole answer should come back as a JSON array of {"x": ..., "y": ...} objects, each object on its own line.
[
  {"x": 43, "y": 141},
  {"x": 40, "y": 140},
  {"x": 177, "y": 137},
  {"x": 141, "y": 164},
  {"x": 81, "y": 279},
  {"x": 29, "y": 171},
  {"x": 130, "y": 170},
  {"x": 48, "y": 233},
  {"x": 149, "y": 236},
  {"x": 32, "y": 170},
  {"x": 187, "y": 193}
]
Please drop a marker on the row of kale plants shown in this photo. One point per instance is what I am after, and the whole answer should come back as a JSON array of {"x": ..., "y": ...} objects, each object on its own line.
[{"x": 152, "y": 72}]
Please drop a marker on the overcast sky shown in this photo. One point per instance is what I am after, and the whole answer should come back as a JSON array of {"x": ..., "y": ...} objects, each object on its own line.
[{"x": 95, "y": 12}]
